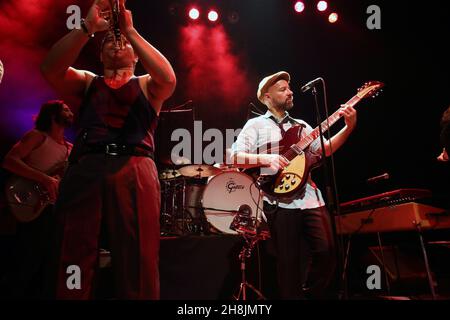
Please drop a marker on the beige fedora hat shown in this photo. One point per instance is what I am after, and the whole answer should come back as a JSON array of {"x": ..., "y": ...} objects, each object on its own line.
[{"x": 268, "y": 81}]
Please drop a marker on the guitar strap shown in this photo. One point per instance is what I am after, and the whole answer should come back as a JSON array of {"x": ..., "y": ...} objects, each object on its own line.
[{"x": 291, "y": 121}]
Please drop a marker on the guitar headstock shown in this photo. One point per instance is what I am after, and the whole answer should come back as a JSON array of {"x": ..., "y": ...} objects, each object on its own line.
[{"x": 370, "y": 89}]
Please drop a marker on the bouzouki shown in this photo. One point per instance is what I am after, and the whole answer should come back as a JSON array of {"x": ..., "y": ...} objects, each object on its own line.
[
  {"x": 27, "y": 198},
  {"x": 290, "y": 182}
]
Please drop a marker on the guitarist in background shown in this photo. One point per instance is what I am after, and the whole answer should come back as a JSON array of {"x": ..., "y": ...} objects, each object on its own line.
[
  {"x": 39, "y": 151},
  {"x": 302, "y": 225}
]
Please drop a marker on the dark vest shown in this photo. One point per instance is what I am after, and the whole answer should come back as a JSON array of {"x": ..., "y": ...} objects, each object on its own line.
[{"x": 122, "y": 115}]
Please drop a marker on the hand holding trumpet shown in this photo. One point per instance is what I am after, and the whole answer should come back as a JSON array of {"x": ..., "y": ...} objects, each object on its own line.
[
  {"x": 96, "y": 19},
  {"x": 101, "y": 16},
  {"x": 125, "y": 18}
]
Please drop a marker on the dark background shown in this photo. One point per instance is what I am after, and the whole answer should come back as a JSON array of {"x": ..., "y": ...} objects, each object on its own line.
[{"x": 398, "y": 132}]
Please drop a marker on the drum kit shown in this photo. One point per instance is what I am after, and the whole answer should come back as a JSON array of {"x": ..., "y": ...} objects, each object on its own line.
[{"x": 205, "y": 199}]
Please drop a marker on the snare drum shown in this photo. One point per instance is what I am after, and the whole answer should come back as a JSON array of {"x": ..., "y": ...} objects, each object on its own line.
[{"x": 225, "y": 195}]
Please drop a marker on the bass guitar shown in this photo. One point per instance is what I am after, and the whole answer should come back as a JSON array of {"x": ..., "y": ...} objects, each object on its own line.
[{"x": 290, "y": 182}]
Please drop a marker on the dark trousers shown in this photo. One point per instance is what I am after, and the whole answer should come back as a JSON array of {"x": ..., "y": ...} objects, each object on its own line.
[
  {"x": 123, "y": 192},
  {"x": 304, "y": 248},
  {"x": 28, "y": 274}
]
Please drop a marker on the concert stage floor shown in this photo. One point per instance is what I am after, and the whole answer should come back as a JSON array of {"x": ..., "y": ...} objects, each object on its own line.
[{"x": 206, "y": 268}]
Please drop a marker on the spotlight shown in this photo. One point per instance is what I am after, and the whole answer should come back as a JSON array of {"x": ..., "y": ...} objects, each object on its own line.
[
  {"x": 322, "y": 5},
  {"x": 213, "y": 16},
  {"x": 299, "y": 6},
  {"x": 333, "y": 17},
  {"x": 194, "y": 14}
]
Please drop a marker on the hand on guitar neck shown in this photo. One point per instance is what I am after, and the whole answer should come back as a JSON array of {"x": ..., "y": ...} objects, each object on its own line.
[{"x": 349, "y": 114}]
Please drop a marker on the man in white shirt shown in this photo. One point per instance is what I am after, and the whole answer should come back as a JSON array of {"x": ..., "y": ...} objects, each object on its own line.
[{"x": 300, "y": 227}]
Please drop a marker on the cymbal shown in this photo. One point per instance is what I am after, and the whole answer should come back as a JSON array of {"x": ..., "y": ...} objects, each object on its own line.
[
  {"x": 168, "y": 174},
  {"x": 226, "y": 167},
  {"x": 175, "y": 161},
  {"x": 199, "y": 171}
]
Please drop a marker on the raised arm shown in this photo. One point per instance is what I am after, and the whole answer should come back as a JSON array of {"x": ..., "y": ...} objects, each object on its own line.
[
  {"x": 161, "y": 80},
  {"x": 56, "y": 67}
]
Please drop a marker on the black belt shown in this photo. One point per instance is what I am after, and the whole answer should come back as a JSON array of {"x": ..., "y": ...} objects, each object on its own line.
[{"x": 115, "y": 149}]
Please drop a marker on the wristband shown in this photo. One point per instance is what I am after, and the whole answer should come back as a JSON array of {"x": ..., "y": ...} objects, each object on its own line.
[{"x": 85, "y": 29}]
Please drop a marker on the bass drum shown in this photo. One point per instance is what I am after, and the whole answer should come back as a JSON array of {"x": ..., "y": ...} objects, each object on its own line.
[{"x": 225, "y": 195}]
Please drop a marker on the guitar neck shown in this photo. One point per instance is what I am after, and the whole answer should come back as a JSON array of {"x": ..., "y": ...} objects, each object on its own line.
[{"x": 325, "y": 125}]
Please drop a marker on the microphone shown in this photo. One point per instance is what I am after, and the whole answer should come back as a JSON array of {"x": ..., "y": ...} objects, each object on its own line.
[
  {"x": 310, "y": 84},
  {"x": 384, "y": 176}
]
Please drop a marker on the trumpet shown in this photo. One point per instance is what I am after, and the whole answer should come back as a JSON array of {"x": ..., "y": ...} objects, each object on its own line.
[{"x": 112, "y": 16}]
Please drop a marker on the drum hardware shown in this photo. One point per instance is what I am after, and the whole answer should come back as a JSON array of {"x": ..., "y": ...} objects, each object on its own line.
[
  {"x": 239, "y": 214},
  {"x": 251, "y": 237},
  {"x": 171, "y": 189},
  {"x": 243, "y": 219},
  {"x": 181, "y": 211},
  {"x": 227, "y": 196},
  {"x": 228, "y": 203},
  {"x": 168, "y": 174}
]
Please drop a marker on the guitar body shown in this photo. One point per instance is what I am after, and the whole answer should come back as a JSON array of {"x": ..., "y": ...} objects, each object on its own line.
[
  {"x": 27, "y": 198},
  {"x": 290, "y": 182}
]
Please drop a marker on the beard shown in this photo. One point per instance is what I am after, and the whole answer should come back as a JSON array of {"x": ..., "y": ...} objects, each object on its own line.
[
  {"x": 285, "y": 105},
  {"x": 289, "y": 105},
  {"x": 64, "y": 121}
]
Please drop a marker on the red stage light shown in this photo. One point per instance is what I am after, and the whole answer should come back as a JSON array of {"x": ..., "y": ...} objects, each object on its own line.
[
  {"x": 299, "y": 6},
  {"x": 322, "y": 5},
  {"x": 213, "y": 16},
  {"x": 194, "y": 14},
  {"x": 332, "y": 18}
]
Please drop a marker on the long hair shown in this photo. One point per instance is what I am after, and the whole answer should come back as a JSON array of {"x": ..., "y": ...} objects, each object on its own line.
[{"x": 49, "y": 111}]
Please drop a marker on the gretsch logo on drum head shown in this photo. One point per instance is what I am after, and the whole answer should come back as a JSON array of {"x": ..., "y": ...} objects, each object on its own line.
[{"x": 231, "y": 186}]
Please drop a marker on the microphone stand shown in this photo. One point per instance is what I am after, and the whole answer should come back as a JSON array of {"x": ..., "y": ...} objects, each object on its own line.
[{"x": 332, "y": 198}]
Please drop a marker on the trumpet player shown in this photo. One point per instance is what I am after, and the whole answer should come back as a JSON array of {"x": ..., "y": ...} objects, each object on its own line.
[{"x": 112, "y": 176}]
